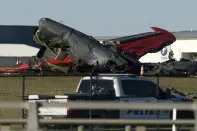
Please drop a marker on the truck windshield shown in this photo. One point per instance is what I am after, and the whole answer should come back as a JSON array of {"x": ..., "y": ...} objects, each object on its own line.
[
  {"x": 139, "y": 88},
  {"x": 98, "y": 87}
]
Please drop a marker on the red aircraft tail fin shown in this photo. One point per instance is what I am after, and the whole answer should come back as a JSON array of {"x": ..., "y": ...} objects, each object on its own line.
[
  {"x": 155, "y": 29},
  {"x": 149, "y": 42}
]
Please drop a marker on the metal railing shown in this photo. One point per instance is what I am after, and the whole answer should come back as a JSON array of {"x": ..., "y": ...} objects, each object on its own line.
[{"x": 33, "y": 121}]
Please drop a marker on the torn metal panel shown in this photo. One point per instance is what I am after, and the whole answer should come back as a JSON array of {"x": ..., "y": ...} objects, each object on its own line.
[
  {"x": 80, "y": 46},
  {"x": 172, "y": 68}
]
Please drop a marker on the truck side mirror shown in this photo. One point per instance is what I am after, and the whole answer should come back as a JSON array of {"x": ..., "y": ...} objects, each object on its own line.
[{"x": 168, "y": 93}]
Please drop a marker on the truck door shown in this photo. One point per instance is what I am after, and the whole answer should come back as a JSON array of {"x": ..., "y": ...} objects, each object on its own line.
[{"x": 141, "y": 91}]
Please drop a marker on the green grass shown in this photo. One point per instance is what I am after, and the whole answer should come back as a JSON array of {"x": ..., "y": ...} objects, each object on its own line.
[
  {"x": 51, "y": 85},
  {"x": 11, "y": 87}
]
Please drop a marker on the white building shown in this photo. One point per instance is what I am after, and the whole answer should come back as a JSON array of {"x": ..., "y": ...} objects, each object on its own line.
[
  {"x": 17, "y": 50},
  {"x": 16, "y": 44}
]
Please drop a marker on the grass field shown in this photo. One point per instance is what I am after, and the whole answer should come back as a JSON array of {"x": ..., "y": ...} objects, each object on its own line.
[{"x": 11, "y": 87}]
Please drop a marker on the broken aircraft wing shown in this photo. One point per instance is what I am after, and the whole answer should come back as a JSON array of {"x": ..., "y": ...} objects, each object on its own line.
[{"x": 141, "y": 44}]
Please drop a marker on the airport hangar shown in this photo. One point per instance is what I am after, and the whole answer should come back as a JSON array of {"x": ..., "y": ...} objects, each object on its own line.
[{"x": 17, "y": 44}]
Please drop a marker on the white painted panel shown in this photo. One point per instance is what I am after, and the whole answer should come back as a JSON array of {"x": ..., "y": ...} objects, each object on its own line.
[
  {"x": 151, "y": 57},
  {"x": 178, "y": 47},
  {"x": 17, "y": 50}
]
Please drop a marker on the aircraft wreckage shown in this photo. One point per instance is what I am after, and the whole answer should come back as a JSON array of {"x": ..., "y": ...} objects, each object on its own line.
[
  {"x": 84, "y": 54},
  {"x": 172, "y": 67},
  {"x": 88, "y": 54}
]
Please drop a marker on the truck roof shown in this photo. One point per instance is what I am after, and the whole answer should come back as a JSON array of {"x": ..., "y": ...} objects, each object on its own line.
[
  {"x": 117, "y": 76},
  {"x": 113, "y": 74}
]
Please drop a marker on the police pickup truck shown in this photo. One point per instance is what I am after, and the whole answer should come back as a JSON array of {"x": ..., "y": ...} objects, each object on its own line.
[{"x": 115, "y": 87}]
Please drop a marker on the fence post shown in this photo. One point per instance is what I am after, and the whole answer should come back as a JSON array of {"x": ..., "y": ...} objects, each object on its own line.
[
  {"x": 174, "y": 118},
  {"x": 32, "y": 121},
  {"x": 127, "y": 128},
  {"x": 80, "y": 128}
]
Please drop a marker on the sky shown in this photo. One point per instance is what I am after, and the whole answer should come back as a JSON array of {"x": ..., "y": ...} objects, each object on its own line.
[{"x": 104, "y": 17}]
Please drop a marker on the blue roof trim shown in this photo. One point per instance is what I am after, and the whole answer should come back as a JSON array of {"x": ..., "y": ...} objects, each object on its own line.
[{"x": 16, "y": 34}]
